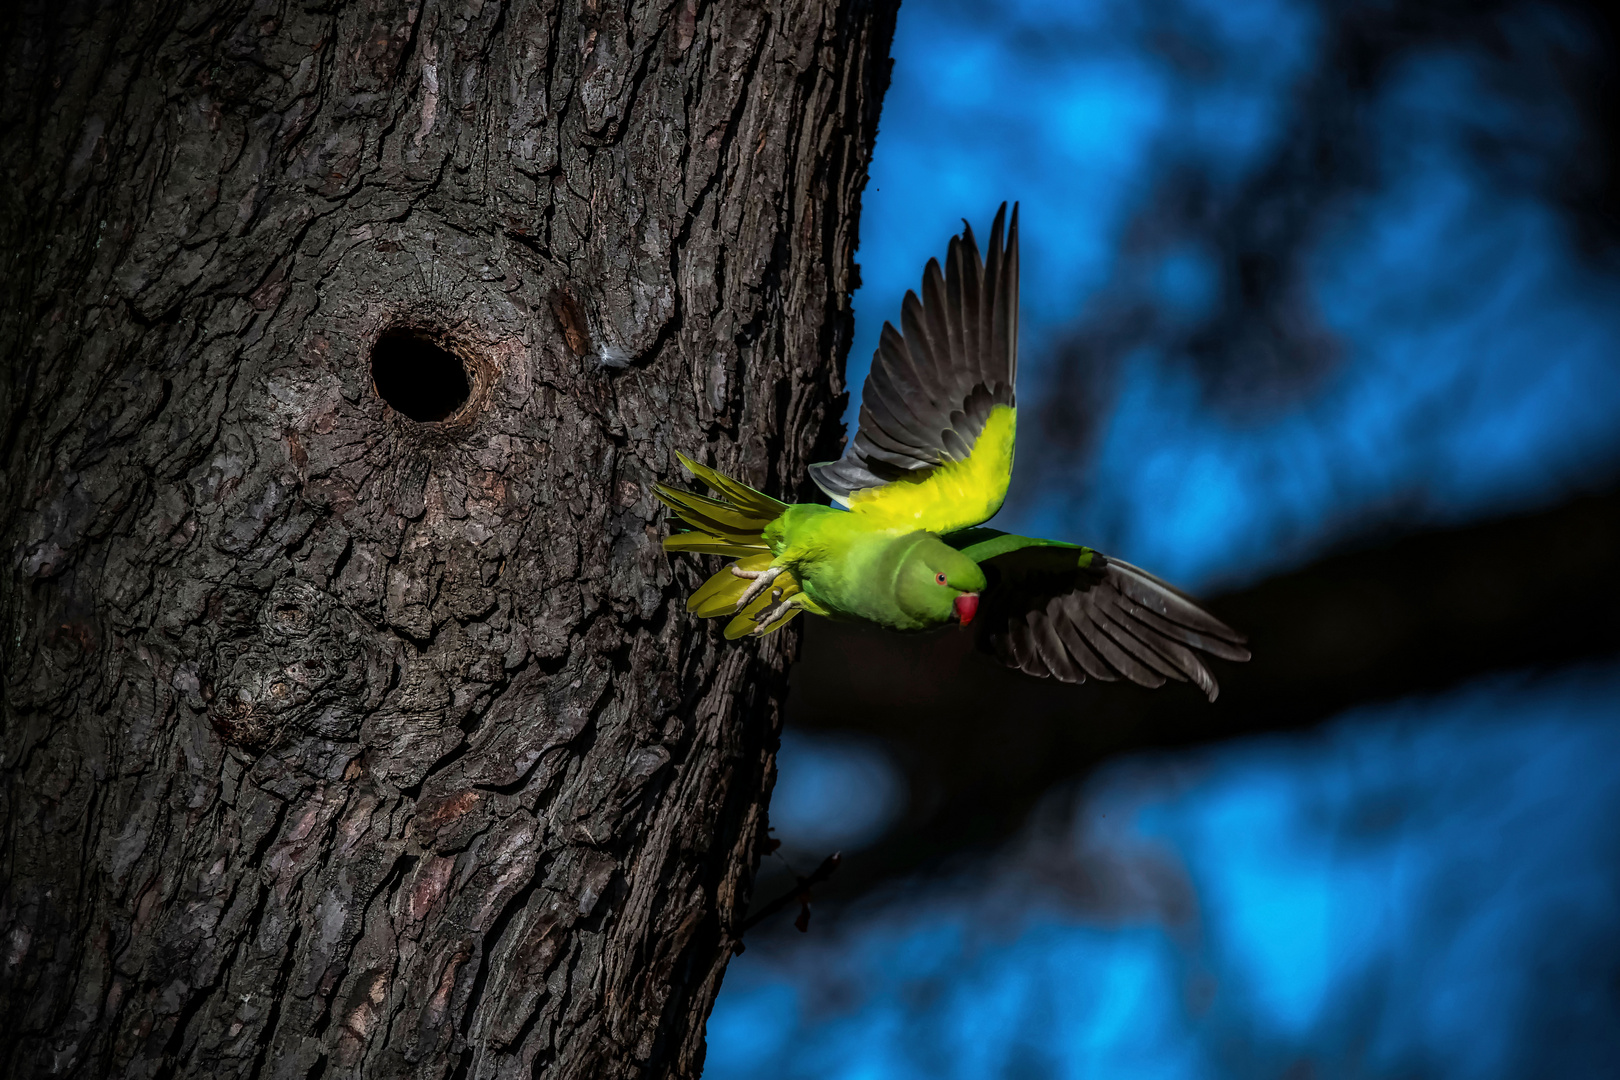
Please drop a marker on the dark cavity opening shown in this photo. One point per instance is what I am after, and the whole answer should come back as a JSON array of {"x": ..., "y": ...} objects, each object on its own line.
[{"x": 417, "y": 376}]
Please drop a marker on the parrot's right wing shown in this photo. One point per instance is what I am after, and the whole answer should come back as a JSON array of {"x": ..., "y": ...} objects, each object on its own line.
[
  {"x": 934, "y": 449},
  {"x": 1057, "y": 609}
]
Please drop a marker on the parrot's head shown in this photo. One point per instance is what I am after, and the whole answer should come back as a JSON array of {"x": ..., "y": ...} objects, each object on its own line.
[{"x": 937, "y": 584}]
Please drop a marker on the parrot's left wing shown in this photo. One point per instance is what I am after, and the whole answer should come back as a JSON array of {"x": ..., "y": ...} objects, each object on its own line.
[
  {"x": 934, "y": 448},
  {"x": 1057, "y": 609}
]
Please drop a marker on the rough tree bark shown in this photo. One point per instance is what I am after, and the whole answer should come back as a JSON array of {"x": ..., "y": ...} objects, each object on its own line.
[{"x": 337, "y": 743}]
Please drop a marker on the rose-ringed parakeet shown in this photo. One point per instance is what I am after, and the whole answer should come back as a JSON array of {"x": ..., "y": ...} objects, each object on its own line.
[{"x": 905, "y": 548}]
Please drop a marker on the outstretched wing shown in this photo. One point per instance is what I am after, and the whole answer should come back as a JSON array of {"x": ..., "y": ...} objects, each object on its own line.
[
  {"x": 1071, "y": 612},
  {"x": 934, "y": 448}
]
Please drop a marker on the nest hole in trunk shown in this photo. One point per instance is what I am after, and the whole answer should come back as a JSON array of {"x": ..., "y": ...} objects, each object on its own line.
[{"x": 417, "y": 376}]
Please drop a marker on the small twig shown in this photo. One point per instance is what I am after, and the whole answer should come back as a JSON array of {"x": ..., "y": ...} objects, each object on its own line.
[{"x": 800, "y": 892}]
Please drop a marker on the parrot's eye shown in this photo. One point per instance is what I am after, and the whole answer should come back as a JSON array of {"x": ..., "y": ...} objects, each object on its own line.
[{"x": 939, "y": 578}]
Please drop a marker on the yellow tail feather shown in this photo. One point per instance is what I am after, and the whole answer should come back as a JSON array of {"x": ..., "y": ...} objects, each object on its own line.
[
  {"x": 699, "y": 543},
  {"x": 719, "y": 595},
  {"x": 739, "y": 495},
  {"x": 732, "y": 522}
]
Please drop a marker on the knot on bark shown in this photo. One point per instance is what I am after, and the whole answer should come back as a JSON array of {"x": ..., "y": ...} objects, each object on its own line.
[{"x": 305, "y": 670}]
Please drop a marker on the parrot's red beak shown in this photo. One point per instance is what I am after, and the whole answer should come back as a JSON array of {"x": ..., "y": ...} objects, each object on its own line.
[{"x": 967, "y": 606}]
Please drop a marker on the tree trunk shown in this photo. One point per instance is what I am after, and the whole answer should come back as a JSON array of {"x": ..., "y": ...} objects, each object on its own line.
[{"x": 342, "y": 743}]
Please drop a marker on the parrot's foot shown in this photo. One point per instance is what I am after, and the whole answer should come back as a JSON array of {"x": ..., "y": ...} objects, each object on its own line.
[
  {"x": 762, "y": 580},
  {"x": 777, "y": 611}
]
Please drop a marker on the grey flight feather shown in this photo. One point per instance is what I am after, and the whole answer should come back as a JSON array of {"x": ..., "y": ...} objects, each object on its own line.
[{"x": 1049, "y": 616}]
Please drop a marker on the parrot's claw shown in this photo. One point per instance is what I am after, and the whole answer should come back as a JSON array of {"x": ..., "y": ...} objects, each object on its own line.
[
  {"x": 762, "y": 580},
  {"x": 773, "y": 613}
]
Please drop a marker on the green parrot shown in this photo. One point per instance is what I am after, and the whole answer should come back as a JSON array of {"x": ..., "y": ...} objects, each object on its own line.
[{"x": 904, "y": 547}]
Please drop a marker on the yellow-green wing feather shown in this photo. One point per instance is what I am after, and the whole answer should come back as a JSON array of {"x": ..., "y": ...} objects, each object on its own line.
[
  {"x": 956, "y": 495},
  {"x": 934, "y": 448}
]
